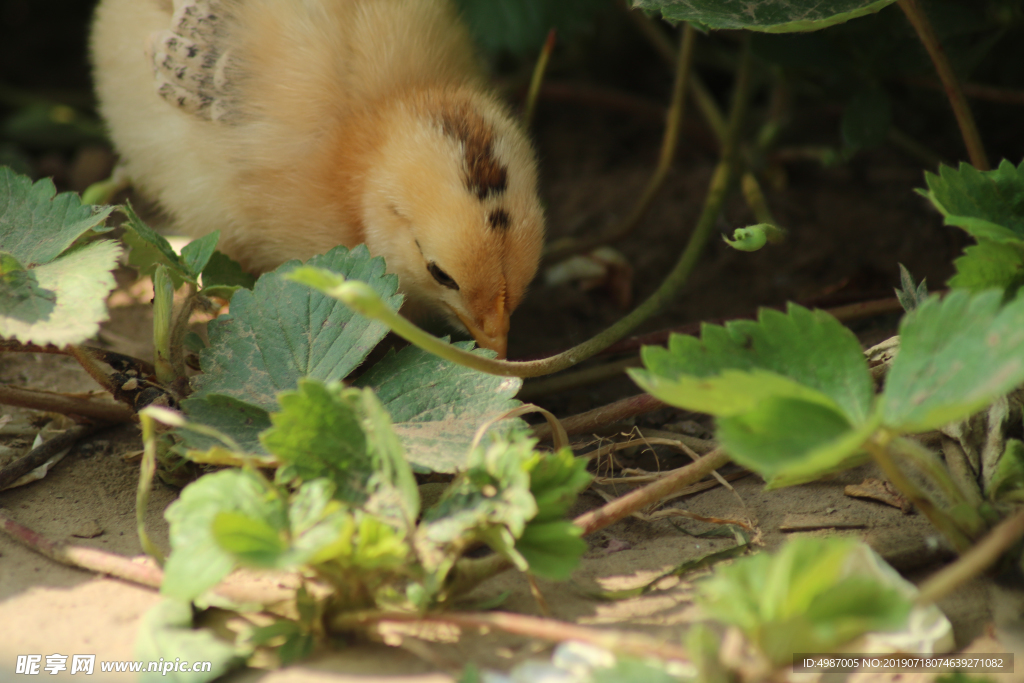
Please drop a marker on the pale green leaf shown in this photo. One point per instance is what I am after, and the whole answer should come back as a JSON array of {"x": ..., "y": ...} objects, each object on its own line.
[
  {"x": 197, "y": 562},
  {"x": 149, "y": 248},
  {"x": 957, "y": 355},
  {"x": 910, "y": 294},
  {"x": 770, "y": 16},
  {"x": 1008, "y": 477},
  {"x": 788, "y": 441},
  {"x": 780, "y": 351},
  {"x": 344, "y": 435},
  {"x": 437, "y": 406},
  {"x": 80, "y": 282},
  {"x": 988, "y": 265},
  {"x": 490, "y": 502},
  {"x": 52, "y": 290},
  {"x": 552, "y": 549},
  {"x": 811, "y": 596},
  {"x": 791, "y": 392},
  {"x": 21, "y": 297},
  {"x": 223, "y": 271},
  {"x": 251, "y": 540},
  {"x": 283, "y": 331},
  {"x": 166, "y": 632}
]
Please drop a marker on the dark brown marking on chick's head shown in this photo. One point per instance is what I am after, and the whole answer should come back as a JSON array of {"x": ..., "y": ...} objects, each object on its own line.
[
  {"x": 484, "y": 175},
  {"x": 499, "y": 219}
]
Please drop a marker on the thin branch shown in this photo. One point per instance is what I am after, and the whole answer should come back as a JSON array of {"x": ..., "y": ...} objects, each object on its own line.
[
  {"x": 984, "y": 554},
  {"x": 879, "y": 448},
  {"x": 101, "y": 411},
  {"x": 756, "y": 200},
  {"x": 147, "y": 470},
  {"x": 634, "y": 644},
  {"x": 669, "y": 144},
  {"x": 980, "y": 91},
  {"x": 81, "y": 557},
  {"x": 961, "y": 109},
  {"x": 91, "y": 366},
  {"x": 652, "y": 493},
  {"x": 141, "y": 570},
  {"x": 118, "y": 361},
  {"x": 605, "y": 415},
  {"x": 14, "y": 471}
]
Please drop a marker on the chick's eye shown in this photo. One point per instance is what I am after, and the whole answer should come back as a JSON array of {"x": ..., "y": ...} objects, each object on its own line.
[{"x": 442, "y": 277}]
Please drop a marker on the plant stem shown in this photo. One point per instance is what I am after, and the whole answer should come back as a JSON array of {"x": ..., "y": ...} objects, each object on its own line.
[
  {"x": 961, "y": 109},
  {"x": 634, "y": 644},
  {"x": 163, "y": 316},
  {"x": 89, "y": 364},
  {"x": 931, "y": 466},
  {"x": 538, "y": 77},
  {"x": 960, "y": 469},
  {"x": 146, "y": 472},
  {"x": 576, "y": 379},
  {"x": 669, "y": 144},
  {"x": 992, "y": 93},
  {"x": 663, "y": 46},
  {"x": 178, "y": 331},
  {"x": 82, "y": 557},
  {"x": 652, "y": 493},
  {"x": 101, "y": 411},
  {"x": 879, "y": 448},
  {"x": 364, "y": 300},
  {"x": 14, "y": 471},
  {"x": 754, "y": 195},
  {"x": 976, "y": 560},
  {"x": 605, "y": 415},
  {"x": 143, "y": 571}
]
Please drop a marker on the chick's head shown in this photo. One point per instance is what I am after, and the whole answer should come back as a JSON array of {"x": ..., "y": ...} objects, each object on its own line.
[{"x": 451, "y": 204}]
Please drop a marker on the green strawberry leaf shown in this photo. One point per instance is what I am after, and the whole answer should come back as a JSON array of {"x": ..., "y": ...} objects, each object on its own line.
[
  {"x": 988, "y": 265},
  {"x": 282, "y": 332},
  {"x": 197, "y": 561},
  {"x": 53, "y": 286},
  {"x": 987, "y": 204},
  {"x": 957, "y": 355},
  {"x": 770, "y": 16},
  {"x": 343, "y": 435},
  {"x": 813, "y": 595},
  {"x": 167, "y": 631},
  {"x": 791, "y": 393},
  {"x": 437, "y": 405}
]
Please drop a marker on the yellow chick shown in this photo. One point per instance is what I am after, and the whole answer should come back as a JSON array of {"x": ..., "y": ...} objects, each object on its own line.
[{"x": 293, "y": 126}]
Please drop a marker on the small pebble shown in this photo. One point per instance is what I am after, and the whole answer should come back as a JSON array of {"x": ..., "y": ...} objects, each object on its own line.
[{"x": 87, "y": 529}]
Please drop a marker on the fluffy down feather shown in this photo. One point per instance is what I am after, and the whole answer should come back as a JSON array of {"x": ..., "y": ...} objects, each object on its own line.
[{"x": 293, "y": 126}]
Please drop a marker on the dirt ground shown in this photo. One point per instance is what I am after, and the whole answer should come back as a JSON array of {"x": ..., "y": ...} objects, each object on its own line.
[{"x": 848, "y": 226}]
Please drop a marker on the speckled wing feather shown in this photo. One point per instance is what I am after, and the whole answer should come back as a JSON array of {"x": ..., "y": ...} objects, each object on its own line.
[{"x": 190, "y": 64}]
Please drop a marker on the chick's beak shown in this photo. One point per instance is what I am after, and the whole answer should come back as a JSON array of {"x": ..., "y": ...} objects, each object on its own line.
[{"x": 491, "y": 329}]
